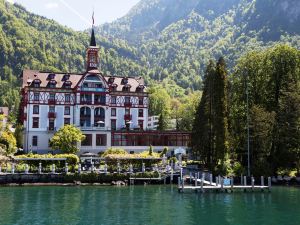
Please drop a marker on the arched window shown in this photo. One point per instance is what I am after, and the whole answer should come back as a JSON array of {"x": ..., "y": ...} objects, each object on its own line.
[
  {"x": 85, "y": 117},
  {"x": 92, "y": 82}
]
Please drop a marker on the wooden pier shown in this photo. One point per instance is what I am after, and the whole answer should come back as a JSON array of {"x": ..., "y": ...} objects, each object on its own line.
[{"x": 201, "y": 185}]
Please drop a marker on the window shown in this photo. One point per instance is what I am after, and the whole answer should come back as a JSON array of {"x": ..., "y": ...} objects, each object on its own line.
[
  {"x": 34, "y": 141},
  {"x": 140, "y": 88},
  {"x": 36, "y": 83},
  {"x": 67, "y": 110},
  {"x": 113, "y": 87},
  {"x": 126, "y": 88},
  {"x": 141, "y": 124},
  {"x": 66, "y": 77},
  {"x": 36, "y": 97},
  {"x": 113, "y": 124},
  {"x": 67, "y": 121},
  {"x": 111, "y": 80},
  {"x": 52, "y": 96},
  {"x": 101, "y": 140},
  {"x": 141, "y": 101},
  {"x": 127, "y": 99},
  {"x": 88, "y": 141},
  {"x": 36, "y": 109},
  {"x": 127, "y": 111},
  {"x": 124, "y": 81},
  {"x": 51, "y": 76},
  {"x": 113, "y": 112},
  {"x": 67, "y": 84},
  {"x": 101, "y": 99},
  {"x": 86, "y": 99},
  {"x": 131, "y": 152},
  {"x": 113, "y": 100},
  {"x": 35, "y": 122},
  {"x": 52, "y": 84},
  {"x": 51, "y": 109},
  {"x": 67, "y": 98},
  {"x": 141, "y": 112},
  {"x": 51, "y": 124}
]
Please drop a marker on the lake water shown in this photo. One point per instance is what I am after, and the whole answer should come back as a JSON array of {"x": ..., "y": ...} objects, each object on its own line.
[{"x": 157, "y": 205}]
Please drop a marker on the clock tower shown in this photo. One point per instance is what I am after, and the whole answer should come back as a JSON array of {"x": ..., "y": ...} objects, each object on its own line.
[{"x": 92, "y": 54}]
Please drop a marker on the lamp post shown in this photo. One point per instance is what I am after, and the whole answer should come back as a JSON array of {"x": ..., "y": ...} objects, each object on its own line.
[{"x": 248, "y": 130}]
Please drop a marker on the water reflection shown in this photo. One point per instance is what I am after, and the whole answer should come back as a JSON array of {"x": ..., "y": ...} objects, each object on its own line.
[{"x": 145, "y": 205}]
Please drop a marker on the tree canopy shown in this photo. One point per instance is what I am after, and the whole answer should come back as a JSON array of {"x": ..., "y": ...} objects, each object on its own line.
[{"x": 66, "y": 139}]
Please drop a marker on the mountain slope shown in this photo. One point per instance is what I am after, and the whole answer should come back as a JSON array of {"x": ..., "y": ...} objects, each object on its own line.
[
  {"x": 178, "y": 47},
  {"x": 31, "y": 41}
]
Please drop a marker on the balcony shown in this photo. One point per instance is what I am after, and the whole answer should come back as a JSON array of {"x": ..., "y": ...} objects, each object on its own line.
[
  {"x": 85, "y": 102},
  {"x": 52, "y": 115},
  {"x": 127, "y": 104},
  {"x": 128, "y": 117},
  {"x": 51, "y": 101},
  {"x": 86, "y": 128},
  {"x": 92, "y": 89}
]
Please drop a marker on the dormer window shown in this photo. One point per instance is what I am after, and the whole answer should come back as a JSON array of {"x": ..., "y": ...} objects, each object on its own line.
[
  {"x": 66, "y": 77},
  {"x": 126, "y": 87},
  {"x": 113, "y": 87},
  {"x": 51, "y": 76},
  {"x": 124, "y": 81},
  {"x": 140, "y": 88},
  {"x": 67, "y": 84},
  {"x": 36, "y": 83},
  {"x": 111, "y": 80},
  {"x": 52, "y": 84}
]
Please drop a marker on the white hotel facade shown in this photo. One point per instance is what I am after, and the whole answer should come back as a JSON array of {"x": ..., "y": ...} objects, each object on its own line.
[{"x": 109, "y": 110}]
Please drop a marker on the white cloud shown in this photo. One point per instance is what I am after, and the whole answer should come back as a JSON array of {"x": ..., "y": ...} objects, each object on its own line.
[{"x": 51, "y": 5}]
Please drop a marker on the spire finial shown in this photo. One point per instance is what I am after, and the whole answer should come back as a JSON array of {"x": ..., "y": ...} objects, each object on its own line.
[{"x": 93, "y": 39}]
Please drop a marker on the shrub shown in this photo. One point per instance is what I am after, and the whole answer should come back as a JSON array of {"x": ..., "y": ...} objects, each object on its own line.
[
  {"x": 71, "y": 159},
  {"x": 114, "y": 151}
]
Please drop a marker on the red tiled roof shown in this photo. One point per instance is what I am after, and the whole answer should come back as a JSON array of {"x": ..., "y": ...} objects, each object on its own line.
[{"x": 30, "y": 75}]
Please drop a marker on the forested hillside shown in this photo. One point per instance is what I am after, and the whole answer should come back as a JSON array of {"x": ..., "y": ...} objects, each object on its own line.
[
  {"x": 31, "y": 41},
  {"x": 162, "y": 40},
  {"x": 176, "y": 39}
]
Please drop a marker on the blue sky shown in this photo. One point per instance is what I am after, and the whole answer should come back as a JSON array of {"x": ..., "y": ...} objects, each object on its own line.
[{"x": 77, "y": 13}]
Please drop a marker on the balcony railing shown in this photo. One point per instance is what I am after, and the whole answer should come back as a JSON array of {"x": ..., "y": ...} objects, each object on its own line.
[
  {"x": 127, "y": 117},
  {"x": 85, "y": 102},
  {"x": 52, "y": 115},
  {"x": 93, "y": 128},
  {"x": 92, "y": 89}
]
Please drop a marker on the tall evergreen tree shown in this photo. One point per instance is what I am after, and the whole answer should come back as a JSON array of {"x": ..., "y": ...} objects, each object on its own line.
[{"x": 210, "y": 130}]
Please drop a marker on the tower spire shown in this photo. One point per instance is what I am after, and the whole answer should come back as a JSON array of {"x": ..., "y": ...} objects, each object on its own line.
[
  {"x": 93, "y": 39},
  {"x": 92, "y": 51}
]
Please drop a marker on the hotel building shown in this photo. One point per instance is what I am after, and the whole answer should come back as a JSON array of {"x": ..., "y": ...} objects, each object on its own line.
[{"x": 111, "y": 111}]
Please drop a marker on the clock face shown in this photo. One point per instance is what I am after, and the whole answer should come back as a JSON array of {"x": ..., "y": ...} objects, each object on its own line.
[{"x": 93, "y": 65}]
